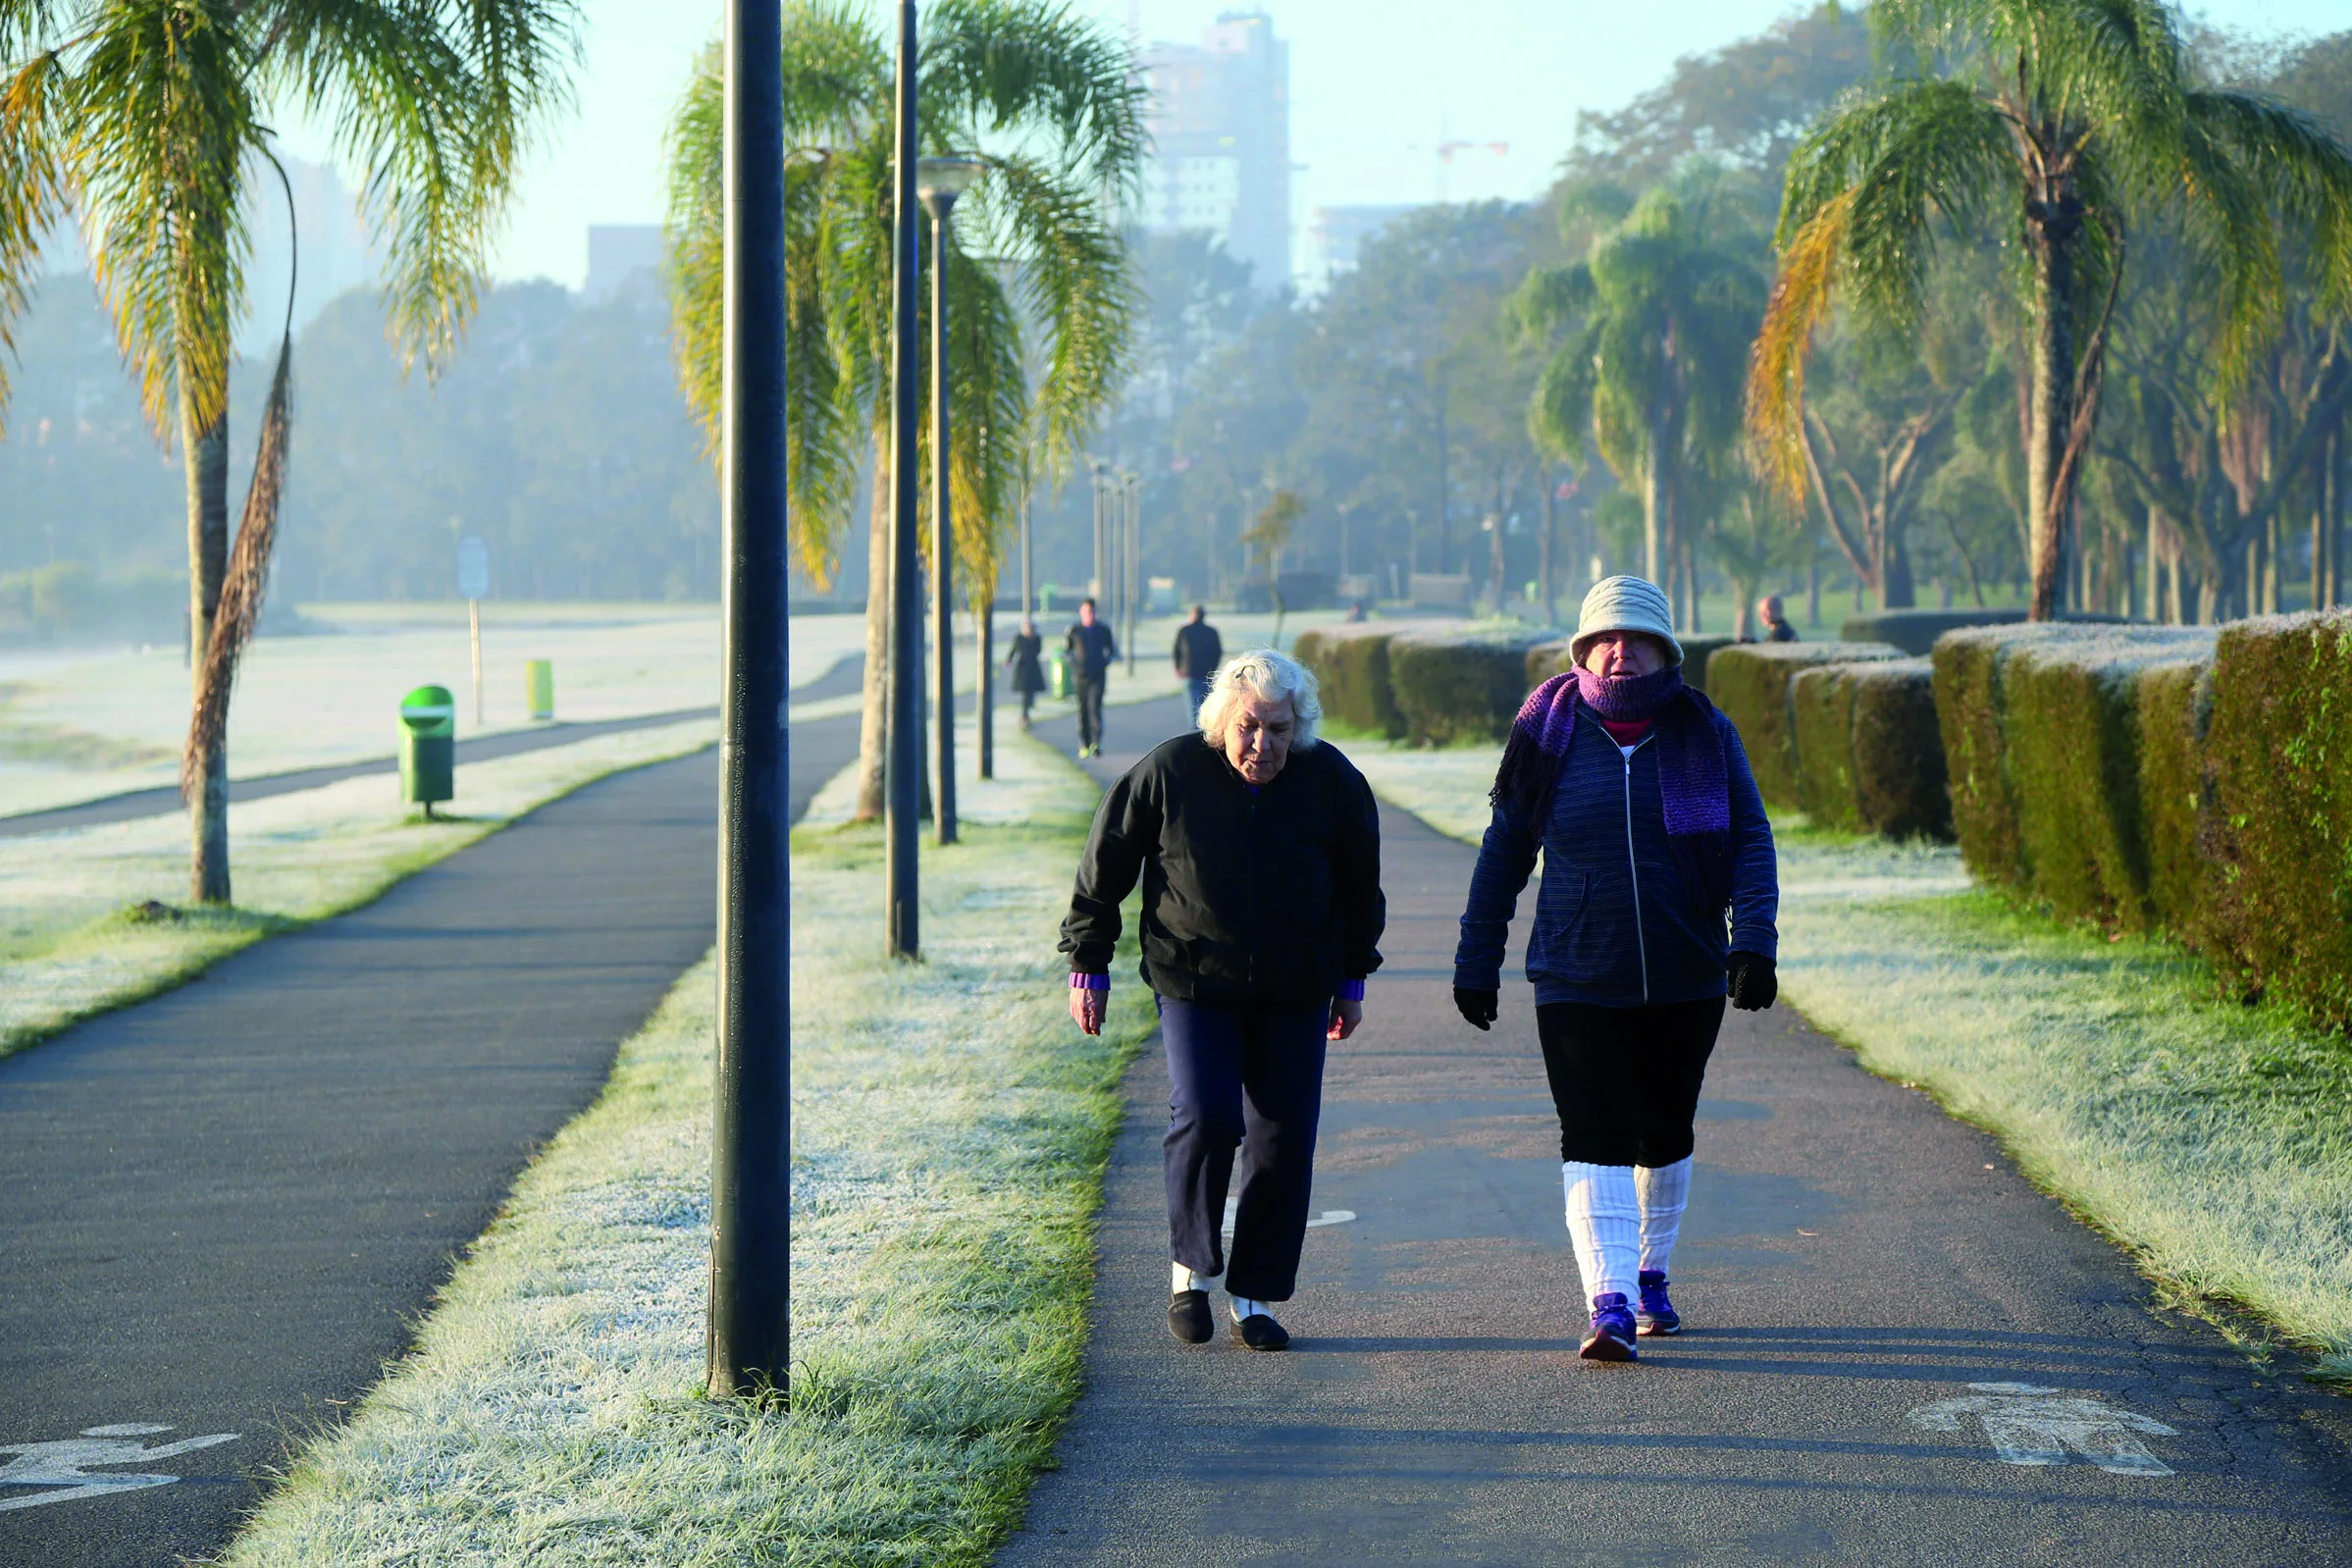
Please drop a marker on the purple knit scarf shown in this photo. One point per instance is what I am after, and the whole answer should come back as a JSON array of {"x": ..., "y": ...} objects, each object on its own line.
[{"x": 1693, "y": 786}]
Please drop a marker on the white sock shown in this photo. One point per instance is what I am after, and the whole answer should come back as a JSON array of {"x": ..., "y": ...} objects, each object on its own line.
[
  {"x": 1180, "y": 1277},
  {"x": 1244, "y": 1307},
  {"x": 1663, "y": 1189},
  {"x": 1604, "y": 1223}
]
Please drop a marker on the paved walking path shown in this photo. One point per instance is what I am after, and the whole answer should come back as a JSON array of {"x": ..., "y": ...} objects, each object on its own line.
[
  {"x": 1855, "y": 1268},
  {"x": 223, "y": 1209}
]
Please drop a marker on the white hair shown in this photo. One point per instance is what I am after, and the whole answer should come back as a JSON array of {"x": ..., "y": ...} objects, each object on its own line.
[{"x": 1270, "y": 676}]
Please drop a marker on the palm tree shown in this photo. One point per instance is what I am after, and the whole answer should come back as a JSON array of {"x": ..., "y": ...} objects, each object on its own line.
[
  {"x": 144, "y": 122},
  {"x": 1052, "y": 106},
  {"x": 2059, "y": 121},
  {"x": 1658, "y": 319}
]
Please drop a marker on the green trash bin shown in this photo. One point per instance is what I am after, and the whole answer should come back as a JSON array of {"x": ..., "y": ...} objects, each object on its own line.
[
  {"x": 1059, "y": 675},
  {"x": 428, "y": 746},
  {"x": 539, "y": 687}
]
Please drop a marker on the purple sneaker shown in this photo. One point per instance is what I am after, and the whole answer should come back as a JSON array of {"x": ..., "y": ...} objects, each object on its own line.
[
  {"x": 1657, "y": 1314},
  {"x": 1612, "y": 1336}
]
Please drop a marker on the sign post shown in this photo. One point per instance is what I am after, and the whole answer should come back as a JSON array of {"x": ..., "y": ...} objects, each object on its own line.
[{"x": 473, "y": 586}]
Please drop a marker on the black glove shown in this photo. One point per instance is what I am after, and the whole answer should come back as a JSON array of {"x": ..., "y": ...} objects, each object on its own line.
[
  {"x": 1478, "y": 1007},
  {"x": 1753, "y": 984}
]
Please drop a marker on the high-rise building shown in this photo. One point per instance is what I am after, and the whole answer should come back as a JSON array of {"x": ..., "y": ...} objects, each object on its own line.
[
  {"x": 336, "y": 250},
  {"x": 1220, "y": 121},
  {"x": 1335, "y": 235}
]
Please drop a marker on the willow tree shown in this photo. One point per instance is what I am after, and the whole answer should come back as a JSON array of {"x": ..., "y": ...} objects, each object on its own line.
[
  {"x": 1654, "y": 328},
  {"x": 146, "y": 123},
  {"x": 2056, "y": 123},
  {"x": 1036, "y": 270}
]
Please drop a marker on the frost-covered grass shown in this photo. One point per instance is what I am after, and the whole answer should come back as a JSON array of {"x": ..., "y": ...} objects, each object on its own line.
[
  {"x": 90, "y": 917},
  {"x": 950, "y": 1130},
  {"x": 2212, "y": 1140}
]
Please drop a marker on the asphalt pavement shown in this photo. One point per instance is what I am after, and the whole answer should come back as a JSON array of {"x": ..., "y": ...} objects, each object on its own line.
[
  {"x": 227, "y": 1207},
  {"x": 1899, "y": 1353}
]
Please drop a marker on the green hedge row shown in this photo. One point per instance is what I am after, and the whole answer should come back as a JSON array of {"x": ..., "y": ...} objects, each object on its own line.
[
  {"x": 2180, "y": 779},
  {"x": 1750, "y": 682},
  {"x": 1350, "y": 665},
  {"x": 1868, "y": 755},
  {"x": 1458, "y": 685}
]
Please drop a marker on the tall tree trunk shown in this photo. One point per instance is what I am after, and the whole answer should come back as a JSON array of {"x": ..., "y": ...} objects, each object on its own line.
[
  {"x": 985, "y": 702},
  {"x": 2050, "y": 413},
  {"x": 205, "y": 449},
  {"x": 1653, "y": 506},
  {"x": 1544, "y": 560},
  {"x": 873, "y": 717}
]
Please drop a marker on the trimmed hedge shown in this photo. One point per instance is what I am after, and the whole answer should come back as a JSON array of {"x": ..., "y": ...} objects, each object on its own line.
[
  {"x": 2175, "y": 703},
  {"x": 1871, "y": 760},
  {"x": 1350, "y": 665},
  {"x": 1750, "y": 682},
  {"x": 2042, "y": 729},
  {"x": 2279, "y": 750},
  {"x": 1915, "y": 630},
  {"x": 1460, "y": 686}
]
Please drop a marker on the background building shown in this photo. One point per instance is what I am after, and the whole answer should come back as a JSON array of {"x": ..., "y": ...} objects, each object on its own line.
[
  {"x": 1334, "y": 234},
  {"x": 615, "y": 251},
  {"x": 1220, "y": 121}
]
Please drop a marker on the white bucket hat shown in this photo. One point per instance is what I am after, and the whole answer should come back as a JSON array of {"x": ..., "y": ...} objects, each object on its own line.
[{"x": 1625, "y": 604}]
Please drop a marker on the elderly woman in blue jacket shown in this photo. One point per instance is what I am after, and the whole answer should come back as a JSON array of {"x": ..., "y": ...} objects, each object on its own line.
[{"x": 1639, "y": 795}]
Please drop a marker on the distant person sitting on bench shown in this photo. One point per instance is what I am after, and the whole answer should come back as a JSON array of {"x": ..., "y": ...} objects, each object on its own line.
[
  {"x": 1091, "y": 654},
  {"x": 1198, "y": 653}
]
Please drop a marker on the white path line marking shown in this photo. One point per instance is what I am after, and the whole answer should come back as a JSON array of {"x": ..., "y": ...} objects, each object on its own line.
[
  {"x": 1233, "y": 1206},
  {"x": 63, "y": 1464},
  {"x": 2030, "y": 1425}
]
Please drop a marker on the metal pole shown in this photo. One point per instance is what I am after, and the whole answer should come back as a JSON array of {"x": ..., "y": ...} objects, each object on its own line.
[
  {"x": 1134, "y": 489},
  {"x": 943, "y": 528},
  {"x": 1028, "y": 582},
  {"x": 747, "y": 1340},
  {"x": 903, "y": 783},
  {"x": 1095, "y": 589}
]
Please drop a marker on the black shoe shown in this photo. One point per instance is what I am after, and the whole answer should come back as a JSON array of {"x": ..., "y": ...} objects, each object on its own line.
[
  {"x": 1188, "y": 1317},
  {"x": 1260, "y": 1332}
]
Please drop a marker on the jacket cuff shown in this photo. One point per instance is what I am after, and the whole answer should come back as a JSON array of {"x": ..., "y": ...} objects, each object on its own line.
[
  {"x": 1351, "y": 990},
  {"x": 1762, "y": 940},
  {"x": 1079, "y": 981}
]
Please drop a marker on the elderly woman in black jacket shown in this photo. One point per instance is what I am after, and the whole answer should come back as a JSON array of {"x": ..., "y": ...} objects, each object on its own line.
[{"x": 1259, "y": 848}]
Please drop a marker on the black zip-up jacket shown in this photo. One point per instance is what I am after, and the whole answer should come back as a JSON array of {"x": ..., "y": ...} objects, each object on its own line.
[
  {"x": 1271, "y": 895},
  {"x": 1198, "y": 651}
]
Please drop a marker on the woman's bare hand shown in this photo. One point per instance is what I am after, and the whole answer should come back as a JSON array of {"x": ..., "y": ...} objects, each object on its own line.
[
  {"x": 1346, "y": 1017},
  {"x": 1088, "y": 1007}
]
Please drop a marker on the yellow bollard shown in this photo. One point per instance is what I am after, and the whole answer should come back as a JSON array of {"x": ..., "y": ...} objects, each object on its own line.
[{"x": 538, "y": 681}]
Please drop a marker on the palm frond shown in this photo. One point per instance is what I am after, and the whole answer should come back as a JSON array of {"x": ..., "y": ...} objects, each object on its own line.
[
  {"x": 1017, "y": 69},
  {"x": 32, "y": 193}
]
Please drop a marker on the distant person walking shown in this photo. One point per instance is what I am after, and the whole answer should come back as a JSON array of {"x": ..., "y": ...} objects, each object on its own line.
[
  {"x": 1259, "y": 848},
  {"x": 1637, "y": 794},
  {"x": 1091, "y": 654},
  {"x": 1198, "y": 653},
  {"x": 1775, "y": 620},
  {"x": 1022, "y": 667}
]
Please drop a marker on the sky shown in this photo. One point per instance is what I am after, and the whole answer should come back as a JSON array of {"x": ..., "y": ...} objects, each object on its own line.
[{"x": 1376, "y": 86}]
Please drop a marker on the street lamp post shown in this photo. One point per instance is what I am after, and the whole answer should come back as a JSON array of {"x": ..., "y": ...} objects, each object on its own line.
[
  {"x": 939, "y": 182},
  {"x": 747, "y": 1332},
  {"x": 1134, "y": 552},
  {"x": 1095, "y": 590},
  {"x": 903, "y": 792}
]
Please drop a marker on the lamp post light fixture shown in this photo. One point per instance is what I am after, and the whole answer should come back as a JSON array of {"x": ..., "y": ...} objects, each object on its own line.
[
  {"x": 747, "y": 1336},
  {"x": 939, "y": 182},
  {"x": 903, "y": 769}
]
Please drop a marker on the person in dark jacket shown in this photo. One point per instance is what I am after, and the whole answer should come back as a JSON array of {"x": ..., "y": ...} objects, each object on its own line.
[
  {"x": 1198, "y": 653},
  {"x": 1091, "y": 654},
  {"x": 1259, "y": 848},
  {"x": 1639, "y": 796},
  {"x": 1021, "y": 665},
  {"x": 1777, "y": 629}
]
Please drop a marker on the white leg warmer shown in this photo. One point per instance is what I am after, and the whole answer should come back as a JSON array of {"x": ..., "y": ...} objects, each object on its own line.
[
  {"x": 1664, "y": 1190},
  {"x": 1604, "y": 1223},
  {"x": 1182, "y": 1279}
]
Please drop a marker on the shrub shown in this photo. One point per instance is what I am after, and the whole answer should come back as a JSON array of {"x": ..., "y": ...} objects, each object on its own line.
[
  {"x": 1458, "y": 685},
  {"x": 1899, "y": 787},
  {"x": 1544, "y": 661},
  {"x": 1822, "y": 722},
  {"x": 2050, "y": 722},
  {"x": 1750, "y": 682},
  {"x": 2279, "y": 748},
  {"x": 2173, "y": 706},
  {"x": 1351, "y": 664},
  {"x": 1915, "y": 630}
]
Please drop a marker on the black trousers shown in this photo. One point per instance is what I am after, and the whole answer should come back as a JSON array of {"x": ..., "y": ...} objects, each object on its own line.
[
  {"x": 1090, "y": 712},
  {"x": 1625, "y": 1079},
  {"x": 1250, "y": 1076}
]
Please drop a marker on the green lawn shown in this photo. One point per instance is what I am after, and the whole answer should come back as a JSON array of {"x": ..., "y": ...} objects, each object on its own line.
[{"x": 951, "y": 1127}]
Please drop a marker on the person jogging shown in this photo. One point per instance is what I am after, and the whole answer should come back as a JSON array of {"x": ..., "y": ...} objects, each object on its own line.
[
  {"x": 1021, "y": 665},
  {"x": 1259, "y": 848},
  {"x": 1637, "y": 794},
  {"x": 1091, "y": 654},
  {"x": 1198, "y": 653}
]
